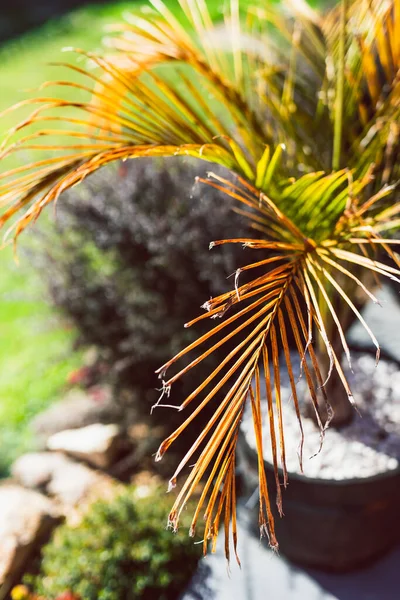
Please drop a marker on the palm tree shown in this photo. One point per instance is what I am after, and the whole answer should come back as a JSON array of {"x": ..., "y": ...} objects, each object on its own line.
[{"x": 304, "y": 110}]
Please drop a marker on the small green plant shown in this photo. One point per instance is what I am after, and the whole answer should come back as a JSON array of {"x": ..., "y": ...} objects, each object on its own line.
[{"x": 121, "y": 549}]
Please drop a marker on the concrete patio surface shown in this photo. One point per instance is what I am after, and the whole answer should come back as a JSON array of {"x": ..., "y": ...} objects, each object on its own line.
[{"x": 266, "y": 576}]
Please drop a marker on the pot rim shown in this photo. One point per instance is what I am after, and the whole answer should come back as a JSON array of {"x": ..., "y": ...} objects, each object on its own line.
[{"x": 338, "y": 482}]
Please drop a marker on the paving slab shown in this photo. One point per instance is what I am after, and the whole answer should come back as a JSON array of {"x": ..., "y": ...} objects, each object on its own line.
[{"x": 265, "y": 575}]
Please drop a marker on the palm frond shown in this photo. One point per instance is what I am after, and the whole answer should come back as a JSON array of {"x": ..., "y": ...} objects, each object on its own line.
[
  {"x": 284, "y": 289},
  {"x": 257, "y": 97}
]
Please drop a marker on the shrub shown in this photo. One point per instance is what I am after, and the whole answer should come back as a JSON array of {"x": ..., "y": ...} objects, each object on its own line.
[
  {"x": 120, "y": 550},
  {"x": 131, "y": 264}
]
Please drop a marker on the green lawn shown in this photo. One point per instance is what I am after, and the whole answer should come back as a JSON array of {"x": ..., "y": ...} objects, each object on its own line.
[
  {"x": 24, "y": 63},
  {"x": 35, "y": 355}
]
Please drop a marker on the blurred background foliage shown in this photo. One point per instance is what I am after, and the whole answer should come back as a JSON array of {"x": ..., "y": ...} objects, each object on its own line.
[{"x": 37, "y": 343}]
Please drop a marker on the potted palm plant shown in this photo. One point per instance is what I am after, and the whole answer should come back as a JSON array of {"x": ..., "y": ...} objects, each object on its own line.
[{"x": 303, "y": 112}]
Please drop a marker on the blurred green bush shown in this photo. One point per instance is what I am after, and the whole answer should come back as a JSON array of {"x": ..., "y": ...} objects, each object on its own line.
[
  {"x": 120, "y": 550},
  {"x": 128, "y": 262}
]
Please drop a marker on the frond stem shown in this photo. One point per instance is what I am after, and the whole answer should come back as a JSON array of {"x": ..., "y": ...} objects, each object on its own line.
[{"x": 339, "y": 101}]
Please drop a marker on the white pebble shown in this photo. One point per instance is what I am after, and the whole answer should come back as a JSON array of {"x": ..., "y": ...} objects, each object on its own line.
[{"x": 357, "y": 450}]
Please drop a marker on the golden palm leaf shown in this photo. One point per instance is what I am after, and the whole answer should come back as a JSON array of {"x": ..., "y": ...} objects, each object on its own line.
[{"x": 235, "y": 97}]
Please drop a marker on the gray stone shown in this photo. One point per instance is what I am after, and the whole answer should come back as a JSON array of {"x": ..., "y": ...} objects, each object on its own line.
[
  {"x": 367, "y": 446},
  {"x": 37, "y": 469},
  {"x": 77, "y": 409},
  {"x": 96, "y": 444},
  {"x": 68, "y": 482},
  {"x": 26, "y": 520},
  {"x": 73, "y": 483}
]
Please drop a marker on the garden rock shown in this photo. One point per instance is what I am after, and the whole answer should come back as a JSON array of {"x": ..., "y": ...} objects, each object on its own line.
[
  {"x": 37, "y": 469},
  {"x": 26, "y": 520},
  {"x": 96, "y": 444},
  {"x": 72, "y": 485},
  {"x": 78, "y": 409}
]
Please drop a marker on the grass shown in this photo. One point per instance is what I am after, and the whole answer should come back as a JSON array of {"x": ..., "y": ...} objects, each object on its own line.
[
  {"x": 24, "y": 64},
  {"x": 35, "y": 355}
]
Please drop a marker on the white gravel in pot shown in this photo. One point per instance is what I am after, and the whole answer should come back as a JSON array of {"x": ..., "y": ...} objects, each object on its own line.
[{"x": 369, "y": 445}]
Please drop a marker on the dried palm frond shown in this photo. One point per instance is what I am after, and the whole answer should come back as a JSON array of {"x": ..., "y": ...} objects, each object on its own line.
[
  {"x": 276, "y": 99},
  {"x": 300, "y": 268}
]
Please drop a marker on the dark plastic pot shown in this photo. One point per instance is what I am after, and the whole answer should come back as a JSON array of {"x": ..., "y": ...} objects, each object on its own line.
[{"x": 333, "y": 525}]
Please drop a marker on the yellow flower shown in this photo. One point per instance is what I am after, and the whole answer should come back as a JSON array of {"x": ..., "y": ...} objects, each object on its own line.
[{"x": 20, "y": 592}]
